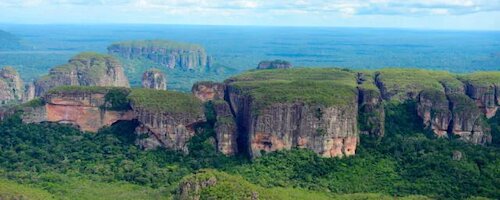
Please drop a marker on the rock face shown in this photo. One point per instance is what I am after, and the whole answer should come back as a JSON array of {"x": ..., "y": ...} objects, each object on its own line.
[
  {"x": 29, "y": 92},
  {"x": 164, "y": 53},
  {"x": 275, "y": 64},
  {"x": 84, "y": 109},
  {"x": 225, "y": 128},
  {"x": 11, "y": 86},
  {"x": 154, "y": 79},
  {"x": 207, "y": 91},
  {"x": 328, "y": 131},
  {"x": 467, "y": 120},
  {"x": 371, "y": 117},
  {"x": 85, "y": 69},
  {"x": 433, "y": 108},
  {"x": 487, "y": 97},
  {"x": 166, "y": 124}
]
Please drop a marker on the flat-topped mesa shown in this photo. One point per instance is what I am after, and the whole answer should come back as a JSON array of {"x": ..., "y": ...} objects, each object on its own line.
[
  {"x": 11, "y": 86},
  {"x": 88, "y": 108},
  {"x": 168, "y": 119},
  {"x": 165, "y": 53},
  {"x": 406, "y": 84},
  {"x": 305, "y": 108},
  {"x": 275, "y": 64},
  {"x": 85, "y": 69},
  {"x": 208, "y": 90},
  {"x": 154, "y": 79},
  {"x": 484, "y": 89}
]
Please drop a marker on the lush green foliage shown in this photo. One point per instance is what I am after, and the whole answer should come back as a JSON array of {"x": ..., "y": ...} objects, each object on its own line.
[
  {"x": 116, "y": 98},
  {"x": 407, "y": 161},
  {"x": 165, "y": 101}
]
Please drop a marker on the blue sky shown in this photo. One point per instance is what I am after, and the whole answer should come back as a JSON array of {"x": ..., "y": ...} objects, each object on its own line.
[{"x": 421, "y": 14}]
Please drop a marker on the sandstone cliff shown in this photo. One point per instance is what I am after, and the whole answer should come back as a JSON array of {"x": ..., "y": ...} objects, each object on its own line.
[
  {"x": 207, "y": 91},
  {"x": 468, "y": 120},
  {"x": 433, "y": 108},
  {"x": 168, "y": 119},
  {"x": 89, "y": 109},
  {"x": 314, "y": 109},
  {"x": 484, "y": 89},
  {"x": 164, "y": 53},
  {"x": 11, "y": 86},
  {"x": 275, "y": 64},
  {"x": 226, "y": 132},
  {"x": 85, "y": 69},
  {"x": 154, "y": 79}
]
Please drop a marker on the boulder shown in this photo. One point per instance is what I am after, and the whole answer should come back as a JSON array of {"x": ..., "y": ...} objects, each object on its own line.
[{"x": 154, "y": 79}]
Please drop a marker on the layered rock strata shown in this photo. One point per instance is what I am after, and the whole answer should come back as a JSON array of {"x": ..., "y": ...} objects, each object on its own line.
[{"x": 225, "y": 128}]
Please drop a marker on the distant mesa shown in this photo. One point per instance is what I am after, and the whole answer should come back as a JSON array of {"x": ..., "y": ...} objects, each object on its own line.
[
  {"x": 154, "y": 79},
  {"x": 165, "y": 53},
  {"x": 85, "y": 69},
  {"x": 275, "y": 64}
]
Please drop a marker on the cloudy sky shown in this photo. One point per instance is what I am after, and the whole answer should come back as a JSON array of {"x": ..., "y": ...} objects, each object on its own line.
[{"x": 427, "y": 14}]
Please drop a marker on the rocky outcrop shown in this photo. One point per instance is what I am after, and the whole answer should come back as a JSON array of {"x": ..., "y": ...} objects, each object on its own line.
[
  {"x": 330, "y": 131},
  {"x": 207, "y": 91},
  {"x": 154, "y": 79},
  {"x": 225, "y": 128},
  {"x": 486, "y": 96},
  {"x": 467, "y": 122},
  {"x": 11, "y": 86},
  {"x": 168, "y": 119},
  {"x": 433, "y": 108},
  {"x": 87, "y": 110},
  {"x": 29, "y": 92},
  {"x": 85, "y": 69},
  {"x": 275, "y": 64},
  {"x": 164, "y": 53}
]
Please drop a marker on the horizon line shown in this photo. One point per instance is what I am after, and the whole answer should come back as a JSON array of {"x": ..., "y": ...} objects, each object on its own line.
[{"x": 249, "y": 25}]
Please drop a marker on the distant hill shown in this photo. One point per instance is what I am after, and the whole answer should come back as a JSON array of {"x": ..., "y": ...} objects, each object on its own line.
[{"x": 9, "y": 41}]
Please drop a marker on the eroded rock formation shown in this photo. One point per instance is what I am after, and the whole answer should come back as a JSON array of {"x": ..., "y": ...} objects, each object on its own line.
[
  {"x": 225, "y": 128},
  {"x": 168, "y": 119},
  {"x": 433, "y": 108},
  {"x": 486, "y": 96},
  {"x": 85, "y": 69},
  {"x": 84, "y": 109},
  {"x": 11, "y": 86},
  {"x": 207, "y": 91},
  {"x": 467, "y": 120},
  {"x": 154, "y": 79},
  {"x": 371, "y": 117},
  {"x": 275, "y": 64},
  {"x": 329, "y": 131},
  {"x": 164, "y": 53}
]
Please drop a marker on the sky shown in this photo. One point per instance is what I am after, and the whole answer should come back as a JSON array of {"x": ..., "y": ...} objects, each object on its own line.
[{"x": 418, "y": 14}]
